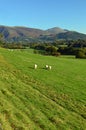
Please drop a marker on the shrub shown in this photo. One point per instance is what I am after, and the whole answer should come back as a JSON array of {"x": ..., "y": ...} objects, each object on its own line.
[{"x": 81, "y": 54}]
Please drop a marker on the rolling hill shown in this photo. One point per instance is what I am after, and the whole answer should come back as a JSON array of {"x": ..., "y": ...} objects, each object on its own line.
[
  {"x": 25, "y": 34},
  {"x": 41, "y": 99}
]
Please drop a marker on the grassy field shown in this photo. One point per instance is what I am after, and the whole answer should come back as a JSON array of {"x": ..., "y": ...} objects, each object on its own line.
[{"x": 41, "y": 99}]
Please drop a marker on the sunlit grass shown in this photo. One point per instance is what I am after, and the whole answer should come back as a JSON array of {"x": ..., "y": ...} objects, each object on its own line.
[{"x": 41, "y": 99}]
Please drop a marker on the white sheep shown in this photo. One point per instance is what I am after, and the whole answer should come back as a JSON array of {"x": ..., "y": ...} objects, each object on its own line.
[
  {"x": 50, "y": 67},
  {"x": 35, "y": 66},
  {"x": 46, "y": 66}
]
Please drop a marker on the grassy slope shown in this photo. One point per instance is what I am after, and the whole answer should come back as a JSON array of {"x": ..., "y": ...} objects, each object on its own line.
[{"x": 41, "y": 99}]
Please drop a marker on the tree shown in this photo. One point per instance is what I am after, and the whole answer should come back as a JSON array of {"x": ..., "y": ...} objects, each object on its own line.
[
  {"x": 52, "y": 50},
  {"x": 81, "y": 54}
]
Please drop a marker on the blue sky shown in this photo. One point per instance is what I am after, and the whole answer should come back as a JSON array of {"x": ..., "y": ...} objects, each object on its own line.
[{"x": 44, "y": 14}]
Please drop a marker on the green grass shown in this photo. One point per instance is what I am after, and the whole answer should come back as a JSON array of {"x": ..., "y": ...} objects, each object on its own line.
[{"x": 41, "y": 99}]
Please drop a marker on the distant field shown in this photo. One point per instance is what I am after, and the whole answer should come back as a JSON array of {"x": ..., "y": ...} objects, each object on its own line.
[{"x": 41, "y": 99}]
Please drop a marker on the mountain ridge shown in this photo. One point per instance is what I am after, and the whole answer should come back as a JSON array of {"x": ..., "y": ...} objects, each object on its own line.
[{"x": 27, "y": 34}]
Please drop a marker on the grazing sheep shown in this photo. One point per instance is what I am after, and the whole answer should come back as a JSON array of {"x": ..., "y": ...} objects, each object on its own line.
[
  {"x": 50, "y": 67},
  {"x": 35, "y": 66},
  {"x": 46, "y": 66}
]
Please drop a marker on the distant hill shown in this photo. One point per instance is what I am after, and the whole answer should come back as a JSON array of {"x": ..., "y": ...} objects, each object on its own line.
[
  {"x": 25, "y": 34},
  {"x": 55, "y": 30},
  {"x": 19, "y": 33},
  {"x": 71, "y": 35}
]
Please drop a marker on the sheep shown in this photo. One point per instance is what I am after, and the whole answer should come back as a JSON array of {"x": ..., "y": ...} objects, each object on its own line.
[
  {"x": 46, "y": 66},
  {"x": 35, "y": 66},
  {"x": 50, "y": 67}
]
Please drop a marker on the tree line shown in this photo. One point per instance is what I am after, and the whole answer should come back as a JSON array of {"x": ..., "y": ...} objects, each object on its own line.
[
  {"x": 62, "y": 47},
  {"x": 56, "y": 48}
]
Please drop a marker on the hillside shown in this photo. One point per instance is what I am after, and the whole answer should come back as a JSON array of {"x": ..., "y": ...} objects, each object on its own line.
[
  {"x": 71, "y": 35},
  {"x": 19, "y": 34},
  {"x": 41, "y": 99},
  {"x": 55, "y": 30},
  {"x": 25, "y": 34}
]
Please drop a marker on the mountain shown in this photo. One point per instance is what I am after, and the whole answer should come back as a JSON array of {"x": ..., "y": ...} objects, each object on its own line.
[
  {"x": 25, "y": 34},
  {"x": 69, "y": 35},
  {"x": 12, "y": 34},
  {"x": 55, "y": 30}
]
